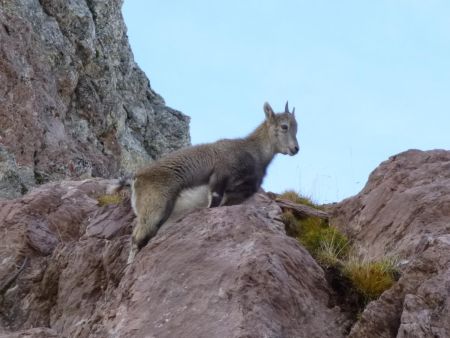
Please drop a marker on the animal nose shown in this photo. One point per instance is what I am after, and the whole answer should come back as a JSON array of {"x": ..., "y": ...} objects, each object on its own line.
[{"x": 296, "y": 149}]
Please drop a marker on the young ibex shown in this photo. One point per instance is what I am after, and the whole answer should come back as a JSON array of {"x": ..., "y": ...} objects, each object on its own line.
[{"x": 222, "y": 173}]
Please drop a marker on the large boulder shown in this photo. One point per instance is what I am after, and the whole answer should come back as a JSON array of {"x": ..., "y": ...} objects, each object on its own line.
[
  {"x": 404, "y": 211},
  {"x": 222, "y": 272},
  {"x": 72, "y": 100}
]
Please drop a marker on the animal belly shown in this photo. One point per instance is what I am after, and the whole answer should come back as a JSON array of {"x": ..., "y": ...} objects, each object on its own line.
[{"x": 190, "y": 199}]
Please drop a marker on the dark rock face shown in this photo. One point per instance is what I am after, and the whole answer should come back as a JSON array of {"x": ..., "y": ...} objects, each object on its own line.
[
  {"x": 72, "y": 100},
  {"x": 404, "y": 210},
  {"x": 221, "y": 272}
]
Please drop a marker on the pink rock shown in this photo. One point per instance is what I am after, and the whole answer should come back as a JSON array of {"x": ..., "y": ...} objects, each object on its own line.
[
  {"x": 404, "y": 211},
  {"x": 222, "y": 272}
]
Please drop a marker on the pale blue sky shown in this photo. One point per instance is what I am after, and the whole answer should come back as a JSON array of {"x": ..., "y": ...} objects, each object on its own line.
[{"x": 368, "y": 79}]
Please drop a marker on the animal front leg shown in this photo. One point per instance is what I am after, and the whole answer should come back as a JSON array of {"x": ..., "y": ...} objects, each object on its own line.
[
  {"x": 215, "y": 199},
  {"x": 238, "y": 190},
  {"x": 216, "y": 190}
]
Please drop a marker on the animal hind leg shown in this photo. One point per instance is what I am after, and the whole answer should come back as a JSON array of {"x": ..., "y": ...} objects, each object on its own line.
[{"x": 147, "y": 226}]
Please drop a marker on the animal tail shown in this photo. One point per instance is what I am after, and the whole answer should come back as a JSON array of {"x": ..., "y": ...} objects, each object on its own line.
[{"x": 120, "y": 184}]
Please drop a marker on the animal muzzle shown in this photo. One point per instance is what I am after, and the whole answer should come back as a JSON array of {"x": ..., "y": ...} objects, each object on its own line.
[{"x": 293, "y": 150}]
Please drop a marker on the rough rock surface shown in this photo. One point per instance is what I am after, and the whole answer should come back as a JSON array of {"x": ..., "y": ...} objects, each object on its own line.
[
  {"x": 72, "y": 100},
  {"x": 222, "y": 272},
  {"x": 404, "y": 211}
]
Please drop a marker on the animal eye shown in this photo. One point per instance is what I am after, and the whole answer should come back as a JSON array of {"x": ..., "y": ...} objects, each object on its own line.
[{"x": 284, "y": 126}]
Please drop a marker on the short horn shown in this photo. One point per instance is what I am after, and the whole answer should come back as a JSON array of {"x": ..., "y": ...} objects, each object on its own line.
[{"x": 286, "y": 108}]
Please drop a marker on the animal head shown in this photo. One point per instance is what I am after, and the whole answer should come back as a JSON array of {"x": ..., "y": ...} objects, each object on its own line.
[{"x": 282, "y": 130}]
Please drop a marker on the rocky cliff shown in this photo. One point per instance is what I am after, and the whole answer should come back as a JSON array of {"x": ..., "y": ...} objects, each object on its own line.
[
  {"x": 223, "y": 272},
  {"x": 72, "y": 100},
  {"x": 404, "y": 211},
  {"x": 73, "y": 104}
]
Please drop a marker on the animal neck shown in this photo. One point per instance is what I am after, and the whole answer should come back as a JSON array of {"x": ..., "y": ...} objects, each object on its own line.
[{"x": 262, "y": 146}]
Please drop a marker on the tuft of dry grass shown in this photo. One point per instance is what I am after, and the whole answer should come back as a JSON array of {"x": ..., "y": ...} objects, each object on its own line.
[
  {"x": 370, "y": 278},
  {"x": 296, "y": 197},
  {"x": 109, "y": 199},
  {"x": 333, "y": 250}
]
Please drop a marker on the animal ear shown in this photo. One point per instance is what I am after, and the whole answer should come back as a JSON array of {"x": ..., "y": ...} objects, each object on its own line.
[
  {"x": 293, "y": 111},
  {"x": 286, "y": 107},
  {"x": 270, "y": 115}
]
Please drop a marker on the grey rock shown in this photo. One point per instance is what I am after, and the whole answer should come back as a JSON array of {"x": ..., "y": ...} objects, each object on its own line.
[
  {"x": 73, "y": 103},
  {"x": 14, "y": 180}
]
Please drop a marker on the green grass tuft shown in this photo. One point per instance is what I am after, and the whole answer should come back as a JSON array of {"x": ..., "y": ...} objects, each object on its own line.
[
  {"x": 325, "y": 243},
  {"x": 332, "y": 249},
  {"x": 290, "y": 223},
  {"x": 317, "y": 237}
]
